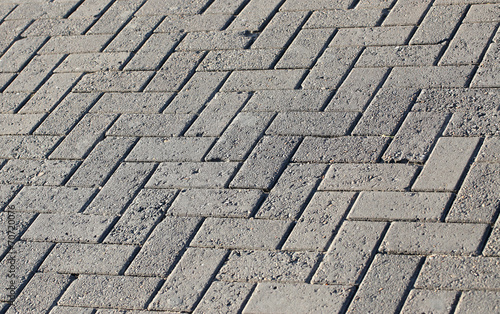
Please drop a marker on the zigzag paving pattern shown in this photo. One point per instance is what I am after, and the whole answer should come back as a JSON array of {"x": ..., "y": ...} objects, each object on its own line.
[{"x": 249, "y": 156}]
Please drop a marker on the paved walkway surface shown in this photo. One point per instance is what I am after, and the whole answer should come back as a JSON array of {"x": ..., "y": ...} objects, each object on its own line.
[{"x": 255, "y": 156}]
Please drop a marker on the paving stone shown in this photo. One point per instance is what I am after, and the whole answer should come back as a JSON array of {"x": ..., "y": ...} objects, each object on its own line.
[
  {"x": 194, "y": 23},
  {"x": 101, "y": 161},
  {"x": 483, "y": 13},
  {"x": 110, "y": 291},
  {"x": 27, "y": 147},
  {"x": 438, "y": 24},
  {"x": 217, "y": 114},
  {"x": 398, "y": 56},
  {"x": 58, "y": 27},
  {"x": 75, "y": 44},
  {"x": 374, "y": 4},
  {"x": 298, "y": 5},
  {"x": 71, "y": 309},
  {"x": 83, "y": 137},
  {"x": 429, "y": 77},
  {"x": 108, "y": 311},
  {"x": 225, "y": 6},
  {"x": 445, "y": 165},
  {"x": 90, "y": 8},
  {"x": 42, "y": 10},
  {"x": 371, "y": 177},
  {"x": 11, "y": 102},
  {"x": 432, "y": 238},
  {"x": 93, "y": 62},
  {"x": 486, "y": 77},
  {"x": 349, "y": 149},
  {"x": 240, "y": 136},
  {"x": 7, "y": 192},
  {"x": 331, "y": 67},
  {"x": 262, "y": 80},
  {"x": 287, "y": 100},
  {"x": 153, "y": 52},
  {"x": 131, "y": 102},
  {"x": 281, "y": 266},
  {"x": 113, "y": 19},
  {"x": 468, "y": 43},
  {"x": 415, "y": 137},
  {"x": 459, "y": 273},
  {"x": 453, "y": 100},
  {"x": 254, "y": 15},
  {"x": 10, "y": 30},
  {"x": 189, "y": 279},
  {"x": 361, "y": 17},
  {"x": 312, "y": 123},
  {"x": 34, "y": 300},
  {"x": 150, "y": 124},
  {"x": 265, "y": 163},
  {"x": 238, "y": 233},
  {"x": 120, "y": 189},
  {"x": 5, "y": 79},
  {"x": 45, "y": 199},
  {"x": 170, "y": 149},
  {"x": 216, "y": 203},
  {"x": 141, "y": 216},
  {"x": 67, "y": 228},
  {"x": 317, "y": 223},
  {"x": 385, "y": 36},
  {"x": 490, "y": 151},
  {"x": 304, "y": 48},
  {"x": 224, "y": 297},
  {"x": 290, "y": 194},
  {"x": 477, "y": 200},
  {"x": 36, "y": 172},
  {"x": 429, "y": 301},
  {"x": 172, "y": 7},
  {"x": 479, "y": 123},
  {"x": 357, "y": 89},
  {"x": 192, "y": 175},
  {"x": 160, "y": 252},
  {"x": 20, "y": 53},
  {"x": 13, "y": 225},
  {"x": 133, "y": 34},
  {"x": 400, "y": 206},
  {"x": 110, "y": 81},
  {"x": 215, "y": 40},
  {"x": 406, "y": 12},
  {"x": 71, "y": 258},
  {"x": 479, "y": 302},
  {"x": 385, "y": 112},
  {"x": 385, "y": 283},
  {"x": 280, "y": 30},
  {"x": 241, "y": 59}
]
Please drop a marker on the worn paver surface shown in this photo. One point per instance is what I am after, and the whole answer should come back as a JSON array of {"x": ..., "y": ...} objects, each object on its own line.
[{"x": 249, "y": 156}]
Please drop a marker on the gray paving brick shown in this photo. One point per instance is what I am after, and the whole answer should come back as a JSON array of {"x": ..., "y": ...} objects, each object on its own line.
[
  {"x": 415, "y": 138},
  {"x": 5, "y": 9},
  {"x": 262, "y": 80},
  {"x": 58, "y": 27},
  {"x": 114, "y": 311},
  {"x": 448, "y": 2},
  {"x": 478, "y": 302},
  {"x": 36, "y": 172},
  {"x": 438, "y": 24},
  {"x": 224, "y": 297},
  {"x": 238, "y": 233},
  {"x": 172, "y": 7},
  {"x": 90, "y": 8},
  {"x": 265, "y": 163},
  {"x": 304, "y": 48},
  {"x": 31, "y": 254},
  {"x": 459, "y": 99},
  {"x": 93, "y": 62},
  {"x": 45, "y": 199},
  {"x": 483, "y": 13},
  {"x": 344, "y": 18},
  {"x": 133, "y": 34},
  {"x": 312, "y": 123},
  {"x": 287, "y": 100},
  {"x": 217, "y": 114},
  {"x": 71, "y": 258},
  {"x": 429, "y": 77},
  {"x": 67, "y": 114},
  {"x": 141, "y": 216},
  {"x": 153, "y": 52},
  {"x": 18, "y": 124},
  {"x": 429, "y": 301},
  {"x": 390, "y": 56},
  {"x": 5, "y": 79},
  {"x": 50, "y": 93},
  {"x": 7, "y": 191},
  {"x": 281, "y": 266},
  {"x": 385, "y": 111},
  {"x": 400, "y": 206},
  {"x": 110, "y": 81},
  {"x": 159, "y": 253},
  {"x": 486, "y": 76},
  {"x": 317, "y": 223},
  {"x": 67, "y": 228},
  {"x": 459, "y": 273},
  {"x": 9, "y": 30},
  {"x": 477, "y": 200},
  {"x": 42, "y": 10},
  {"x": 298, "y": 5},
  {"x": 296, "y": 297},
  {"x": 225, "y": 6},
  {"x": 280, "y": 30},
  {"x": 349, "y": 149},
  {"x": 386, "y": 36},
  {"x": 446, "y": 164},
  {"x": 490, "y": 151},
  {"x": 170, "y": 149},
  {"x": 187, "y": 282},
  {"x": 254, "y": 15},
  {"x": 83, "y": 137},
  {"x": 357, "y": 89},
  {"x": 34, "y": 300},
  {"x": 350, "y": 252},
  {"x": 101, "y": 162},
  {"x": 468, "y": 43},
  {"x": 406, "y": 12},
  {"x": 385, "y": 284},
  {"x": 11, "y": 102},
  {"x": 192, "y": 175},
  {"x": 13, "y": 225},
  {"x": 110, "y": 291},
  {"x": 216, "y": 203},
  {"x": 215, "y": 40},
  {"x": 150, "y": 124},
  {"x": 368, "y": 177},
  {"x": 20, "y": 53},
  {"x": 195, "y": 23},
  {"x": 114, "y": 18},
  {"x": 120, "y": 189},
  {"x": 131, "y": 102},
  {"x": 71, "y": 309},
  {"x": 75, "y": 44},
  {"x": 433, "y": 238},
  {"x": 330, "y": 68},
  {"x": 240, "y": 136},
  {"x": 289, "y": 195},
  {"x": 374, "y": 4},
  {"x": 241, "y": 59}
]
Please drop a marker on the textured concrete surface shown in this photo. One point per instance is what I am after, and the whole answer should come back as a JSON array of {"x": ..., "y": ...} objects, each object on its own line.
[{"x": 249, "y": 156}]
